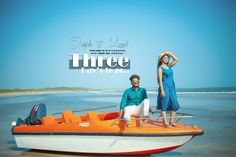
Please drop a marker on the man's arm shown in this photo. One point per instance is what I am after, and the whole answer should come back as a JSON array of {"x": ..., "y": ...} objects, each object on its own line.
[
  {"x": 123, "y": 101},
  {"x": 144, "y": 94}
]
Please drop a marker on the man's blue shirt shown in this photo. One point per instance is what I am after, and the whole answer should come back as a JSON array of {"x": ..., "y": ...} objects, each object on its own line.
[{"x": 132, "y": 97}]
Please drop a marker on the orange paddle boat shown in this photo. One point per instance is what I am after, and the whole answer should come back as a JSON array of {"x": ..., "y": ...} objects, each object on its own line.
[{"x": 104, "y": 133}]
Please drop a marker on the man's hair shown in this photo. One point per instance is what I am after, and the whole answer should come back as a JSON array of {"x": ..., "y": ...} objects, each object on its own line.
[{"x": 134, "y": 76}]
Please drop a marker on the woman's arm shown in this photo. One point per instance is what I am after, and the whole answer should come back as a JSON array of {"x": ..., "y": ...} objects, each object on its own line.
[
  {"x": 159, "y": 74},
  {"x": 175, "y": 59}
]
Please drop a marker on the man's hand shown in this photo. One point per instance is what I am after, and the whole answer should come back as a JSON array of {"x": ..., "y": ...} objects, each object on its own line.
[
  {"x": 151, "y": 110},
  {"x": 121, "y": 114}
]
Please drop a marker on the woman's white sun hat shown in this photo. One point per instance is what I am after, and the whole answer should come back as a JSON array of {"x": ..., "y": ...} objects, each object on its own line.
[{"x": 161, "y": 55}]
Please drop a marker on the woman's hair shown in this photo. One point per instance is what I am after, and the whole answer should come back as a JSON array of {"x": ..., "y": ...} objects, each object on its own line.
[{"x": 159, "y": 63}]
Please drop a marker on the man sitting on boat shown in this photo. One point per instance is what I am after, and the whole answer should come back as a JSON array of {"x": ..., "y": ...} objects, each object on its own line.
[{"x": 134, "y": 101}]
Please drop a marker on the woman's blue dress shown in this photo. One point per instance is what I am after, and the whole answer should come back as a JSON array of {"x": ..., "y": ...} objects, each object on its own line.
[{"x": 169, "y": 101}]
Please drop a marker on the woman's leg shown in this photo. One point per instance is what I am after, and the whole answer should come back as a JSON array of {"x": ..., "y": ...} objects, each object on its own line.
[
  {"x": 172, "y": 115},
  {"x": 163, "y": 115}
]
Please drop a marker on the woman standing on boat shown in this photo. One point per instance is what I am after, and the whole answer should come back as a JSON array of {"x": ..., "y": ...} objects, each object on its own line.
[{"x": 167, "y": 99}]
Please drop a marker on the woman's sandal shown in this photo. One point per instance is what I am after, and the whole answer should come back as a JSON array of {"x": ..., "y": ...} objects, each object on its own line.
[
  {"x": 173, "y": 124},
  {"x": 165, "y": 124}
]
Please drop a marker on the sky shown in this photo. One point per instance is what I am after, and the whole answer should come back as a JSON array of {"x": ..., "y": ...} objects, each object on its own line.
[{"x": 36, "y": 41}]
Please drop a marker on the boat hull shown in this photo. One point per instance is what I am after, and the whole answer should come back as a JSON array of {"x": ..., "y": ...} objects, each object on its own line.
[{"x": 102, "y": 144}]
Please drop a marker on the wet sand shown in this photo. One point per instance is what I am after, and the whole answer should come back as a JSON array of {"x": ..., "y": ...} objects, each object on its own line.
[{"x": 215, "y": 114}]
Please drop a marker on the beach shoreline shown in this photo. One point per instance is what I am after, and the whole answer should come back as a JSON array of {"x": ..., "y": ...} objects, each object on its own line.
[
  {"x": 10, "y": 94},
  {"x": 56, "y": 90},
  {"x": 61, "y": 90}
]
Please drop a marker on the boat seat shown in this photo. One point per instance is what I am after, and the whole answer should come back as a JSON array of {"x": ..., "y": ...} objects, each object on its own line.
[
  {"x": 75, "y": 119},
  {"x": 48, "y": 120},
  {"x": 92, "y": 116},
  {"x": 68, "y": 117}
]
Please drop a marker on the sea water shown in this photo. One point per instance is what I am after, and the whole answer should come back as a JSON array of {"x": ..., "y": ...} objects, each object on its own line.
[{"x": 215, "y": 113}]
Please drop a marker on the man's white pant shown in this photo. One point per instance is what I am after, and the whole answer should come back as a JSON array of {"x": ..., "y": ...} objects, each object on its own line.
[{"x": 140, "y": 110}]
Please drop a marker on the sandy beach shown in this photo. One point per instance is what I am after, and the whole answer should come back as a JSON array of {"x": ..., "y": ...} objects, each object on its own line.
[
  {"x": 10, "y": 94},
  {"x": 24, "y": 92}
]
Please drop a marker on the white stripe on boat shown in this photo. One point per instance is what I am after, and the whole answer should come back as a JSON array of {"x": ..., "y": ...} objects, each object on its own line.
[{"x": 98, "y": 144}]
